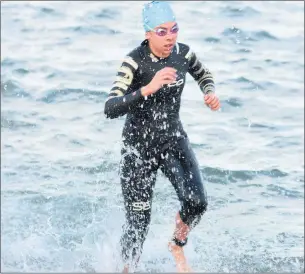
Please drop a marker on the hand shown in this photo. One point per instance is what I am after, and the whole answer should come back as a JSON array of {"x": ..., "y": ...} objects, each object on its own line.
[
  {"x": 212, "y": 101},
  {"x": 162, "y": 77}
]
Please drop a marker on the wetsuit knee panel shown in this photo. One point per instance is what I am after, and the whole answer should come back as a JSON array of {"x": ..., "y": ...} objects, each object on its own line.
[{"x": 192, "y": 211}]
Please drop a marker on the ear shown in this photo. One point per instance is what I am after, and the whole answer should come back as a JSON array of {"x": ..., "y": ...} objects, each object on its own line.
[{"x": 148, "y": 35}]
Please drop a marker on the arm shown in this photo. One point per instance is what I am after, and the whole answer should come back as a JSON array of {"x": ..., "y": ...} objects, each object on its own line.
[
  {"x": 200, "y": 73},
  {"x": 121, "y": 97},
  {"x": 205, "y": 80}
]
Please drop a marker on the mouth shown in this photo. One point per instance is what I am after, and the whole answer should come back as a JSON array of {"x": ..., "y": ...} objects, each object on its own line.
[{"x": 168, "y": 46}]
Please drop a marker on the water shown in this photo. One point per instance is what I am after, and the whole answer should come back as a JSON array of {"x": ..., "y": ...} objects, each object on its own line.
[{"x": 61, "y": 205}]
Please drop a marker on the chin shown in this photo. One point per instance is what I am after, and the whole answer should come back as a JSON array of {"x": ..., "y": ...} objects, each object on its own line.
[{"x": 166, "y": 53}]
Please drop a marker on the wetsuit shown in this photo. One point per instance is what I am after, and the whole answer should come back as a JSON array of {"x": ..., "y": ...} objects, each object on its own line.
[{"x": 153, "y": 138}]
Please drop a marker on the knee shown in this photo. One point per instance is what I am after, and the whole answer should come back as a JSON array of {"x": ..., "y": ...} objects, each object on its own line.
[
  {"x": 199, "y": 206},
  {"x": 192, "y": 211}
]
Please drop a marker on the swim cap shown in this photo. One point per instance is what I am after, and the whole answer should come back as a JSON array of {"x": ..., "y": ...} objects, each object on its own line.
[{"x": 156, "y": 13}]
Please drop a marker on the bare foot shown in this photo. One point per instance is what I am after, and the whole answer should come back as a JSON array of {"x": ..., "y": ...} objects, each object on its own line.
[{"x": 179, "y": 257}]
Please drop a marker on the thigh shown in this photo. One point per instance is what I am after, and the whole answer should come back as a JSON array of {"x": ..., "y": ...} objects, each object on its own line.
[
  {"x": 138, "y": 178},
  {"x": 180, "y": 166}
]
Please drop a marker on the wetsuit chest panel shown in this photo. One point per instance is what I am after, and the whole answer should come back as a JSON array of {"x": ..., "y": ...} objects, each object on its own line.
[{"x": 168, "y": 96}]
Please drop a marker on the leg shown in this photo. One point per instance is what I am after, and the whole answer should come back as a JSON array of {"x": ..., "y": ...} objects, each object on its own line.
[
  {"x": 137, "y": 181},
  {"x": 181, "y": 168}
]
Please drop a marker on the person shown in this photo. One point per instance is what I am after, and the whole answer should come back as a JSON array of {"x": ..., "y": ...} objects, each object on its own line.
[{"x": 147, "y": 89}]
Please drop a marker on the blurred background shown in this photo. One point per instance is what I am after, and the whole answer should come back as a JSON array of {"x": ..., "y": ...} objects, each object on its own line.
[{"x": 61, "y": 203}]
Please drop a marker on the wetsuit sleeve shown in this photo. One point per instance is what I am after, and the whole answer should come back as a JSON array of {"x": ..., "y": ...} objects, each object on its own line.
[
  {"x": 200, "y": 73},
  {"x": 122, "y": 97}
]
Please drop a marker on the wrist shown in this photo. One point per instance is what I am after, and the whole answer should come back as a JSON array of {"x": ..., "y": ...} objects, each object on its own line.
[
  {"x": 145, "y": 91},
  {"x": 209, "y": 90}
]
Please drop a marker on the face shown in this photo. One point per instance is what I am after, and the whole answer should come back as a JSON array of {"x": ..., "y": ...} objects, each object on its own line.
[{"x": 163, "y": 38}]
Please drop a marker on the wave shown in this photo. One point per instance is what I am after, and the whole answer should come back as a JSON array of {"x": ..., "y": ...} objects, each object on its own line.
[
  {"x": 9, "y": 62},
  {"x": 47, "y": 10},
  {"x": 15, "y": 124},
  {"x": 239, "y": 12},
  {"x": 212, "y": 40},
  {"x": 244, "y": 50},
  {"x": 234, "y": 102},
  {"x": 277, "y": 190},
  {"x": 240, "y": 60},
  {"x": 64, "y": 95},
  {"x": 105, "y": 166},
  {"x": 91, "y": 29},
  {"x": 224, "y": 176},
  {"x": 11, "y": 88},
  {"x": 263, "y": 35},
  {"x": 104, "y": 14},
  {"x": 250, "y": 85},
  {"x": 21, "y": 71},
  {"x": 239, "y": 36}
]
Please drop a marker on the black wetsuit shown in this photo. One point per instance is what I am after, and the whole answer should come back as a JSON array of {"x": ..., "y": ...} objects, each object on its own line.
[{"x": 153, "y": 138}]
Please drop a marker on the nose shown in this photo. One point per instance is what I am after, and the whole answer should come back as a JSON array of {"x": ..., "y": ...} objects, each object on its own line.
[{"x": 169, "y": 37}]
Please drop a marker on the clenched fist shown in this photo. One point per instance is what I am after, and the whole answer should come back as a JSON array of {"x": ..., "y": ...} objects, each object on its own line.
[
  {"x": 162, "y": 77},
  {"x": 212, "y": 101}
]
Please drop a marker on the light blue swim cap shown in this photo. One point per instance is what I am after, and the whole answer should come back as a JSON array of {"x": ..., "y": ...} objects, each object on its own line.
[{"x": 156, "y": 13}]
